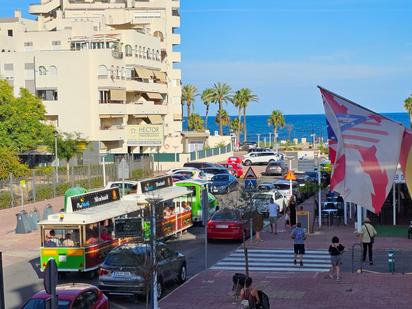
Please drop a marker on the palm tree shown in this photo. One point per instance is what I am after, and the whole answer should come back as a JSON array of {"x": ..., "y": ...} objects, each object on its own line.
[
  {"x": 408, "y": 106},
  {"x": 236, "y": 126},
  {"x": 246, "y": 96},
  {"x": 195, "y": 122},
  {"x": 207, "y": 99},
  {"x": 221, "y": 94},
  {"x": 189, "y": 93},
  {"x": 276, "y": 119},
  {"x": 238, "y": 102},
  {"x": 222, "y": 118}
]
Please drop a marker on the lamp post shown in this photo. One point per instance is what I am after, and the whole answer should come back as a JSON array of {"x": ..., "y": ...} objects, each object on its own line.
[
  {"x": 56, "y": 158},
  {"x": 153, "y": 201}
]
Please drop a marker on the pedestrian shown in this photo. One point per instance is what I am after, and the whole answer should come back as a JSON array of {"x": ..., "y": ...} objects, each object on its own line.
[
  {"x": 299, "y": 236},
  {"x": 287, "y": 218},
  {"x": 249, "y": 295},
  {"x": 292, "y": 210},
  {"x": 258, "y": 221},
  {"x": 367, "y": 237},
  {"x": 273, "y": 215},
  {"x": 335, "y": 251}
]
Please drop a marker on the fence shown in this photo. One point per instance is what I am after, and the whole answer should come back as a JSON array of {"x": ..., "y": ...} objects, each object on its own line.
[{"x": 46, "y": 183}]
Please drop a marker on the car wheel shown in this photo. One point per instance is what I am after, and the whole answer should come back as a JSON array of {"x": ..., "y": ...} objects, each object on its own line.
[
  {"x": 182, "y": 274},
  {"x": 248, "y": 162}
]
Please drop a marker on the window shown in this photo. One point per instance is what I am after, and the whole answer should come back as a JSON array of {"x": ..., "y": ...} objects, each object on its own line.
[
  {"x": 28, "y": 46},
  {"x": 61, "y": 237},
  {"x": 144, "y": 52},
  {"x": 136, "y": 51},
  {"x": 104, "y": 96},
  {"x": 157, "y": 55},
  {"x": 56, "y": 44},
  {"x": 47, "y": 94},
  {"x": 140, "y": 52},
  {"x": 52, "y": 70},
  {"x": 148, "y": 55},
  {"x": 42, "y": 71},
  {"x": 128, "y": 51},
  {"x": 9, "y": 32},
  {"x": 102, "y": 72}
]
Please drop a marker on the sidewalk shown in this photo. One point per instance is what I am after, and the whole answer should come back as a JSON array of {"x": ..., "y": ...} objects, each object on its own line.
[{"x": 21, "y": 247}]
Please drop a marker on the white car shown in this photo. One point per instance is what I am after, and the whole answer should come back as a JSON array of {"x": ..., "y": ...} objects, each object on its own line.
[
  {"x": 283, "y": 187},
  {"x": 261, "y": 200},
  {"x": 130, "y": 186},
  {"x": 192, "y": 172},
  {"x": 261, "y": 157}
]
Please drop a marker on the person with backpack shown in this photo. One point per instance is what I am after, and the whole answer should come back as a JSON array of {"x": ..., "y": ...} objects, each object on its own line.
[
  {"x": 249, "y": 295},
  {"x": 367, "y": 237},
  {"x": 298, "y": 235},
  {"x": 335, "y": 251}
]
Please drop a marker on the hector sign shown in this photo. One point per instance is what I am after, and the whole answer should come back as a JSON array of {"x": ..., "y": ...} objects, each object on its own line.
[{"x": 145, "y": 135}]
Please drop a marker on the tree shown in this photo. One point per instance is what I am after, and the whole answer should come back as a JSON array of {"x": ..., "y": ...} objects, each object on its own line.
[
  {"x": 189, "y": 93},
  {"x": 222, "y": 118},
  {"x": 238, "y": 102},
  {"x": 408, "y": 106},
  {"x": 195, "y": 122},
  {"x": 207, "y": 100},
  {"x": 276, "y": 119},
  {"x": 22, "y": 126},
  {"x": 246, "y": 97},
  {"x": 236, "y": 126},
  {"x": 68, "y": 147},
  {"x": 221, "y": 94},
  {"x": 10, "y": 163}
]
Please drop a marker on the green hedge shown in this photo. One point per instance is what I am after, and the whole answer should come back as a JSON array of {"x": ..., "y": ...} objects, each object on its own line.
[{"x": 5, "y": 199}]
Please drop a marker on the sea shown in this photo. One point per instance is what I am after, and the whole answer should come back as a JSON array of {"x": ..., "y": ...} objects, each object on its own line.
[{"x": 297, "y": 126}]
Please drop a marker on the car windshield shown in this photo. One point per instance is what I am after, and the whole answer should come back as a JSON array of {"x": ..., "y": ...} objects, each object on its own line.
[
  {"x": 262, "y": 196},
  {"x": 224, "y": 216},
  {"x": 127, "y": 258},
  {"x": 220, "y": 178},
  {"x": 38, "y": 303}
]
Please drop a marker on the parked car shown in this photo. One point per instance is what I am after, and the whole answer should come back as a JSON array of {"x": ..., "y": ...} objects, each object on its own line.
[
  {"x": 179, "y": 177},
  {"x": 212, "y": 171},
  {"x": 71, "y": 295},
  {"x": 227, "y": 223},
  {"x": 312, "y": 176},
  {"x": 125, "y": 268},
  {"x": 193, "y": 173},
  {"x": 248, "y": 145},
  {"x": 260, "y": 158},
  {"x": 265, "y": 186},
  {"x": 261, "y": 200},
  {"x": 234, "y": 160},
  {"x": 276, "y": 168},
  {"x": 260, "y": 149},
  {"x": 223, "y": 183},
  {"x": 199, "y": 165},
  {"x": 235, "y": 169},
  {"x": 130, "y": 186}
]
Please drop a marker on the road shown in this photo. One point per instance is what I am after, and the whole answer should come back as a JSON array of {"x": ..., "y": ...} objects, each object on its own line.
[{"x": 22, "y": 279}]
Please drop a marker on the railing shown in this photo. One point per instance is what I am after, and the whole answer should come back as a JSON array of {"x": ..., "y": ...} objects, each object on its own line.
[
  {"x": 166, "y": 157},
  {"x": 202, "y": 154}
]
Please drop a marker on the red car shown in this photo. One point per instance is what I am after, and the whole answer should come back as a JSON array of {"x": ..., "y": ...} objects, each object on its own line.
[
  {"x": 234, "y": 159},
  {"x": 235, "y": 169},
  {"x": 71, "y": 296},
  {"x": 227, "y": 223}
]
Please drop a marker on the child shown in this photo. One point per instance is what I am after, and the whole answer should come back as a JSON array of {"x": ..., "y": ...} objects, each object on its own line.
[
  {"x": 287, "y": 218},
  {"x": 335, "y": 251}
]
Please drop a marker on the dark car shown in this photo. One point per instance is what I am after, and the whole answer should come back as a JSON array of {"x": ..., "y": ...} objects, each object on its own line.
[
  {"x": 71, "y": 295},
  {"x": 126, "y": 268},
  {"x": 276, "y": 168},
  {"x": 313, "y": 177},
  {"x": 200, "y": 165},
  {"x": 223, "y": 183}
]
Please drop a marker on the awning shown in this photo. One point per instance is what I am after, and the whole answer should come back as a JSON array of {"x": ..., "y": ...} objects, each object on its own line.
[
  {"x": 160, "y": 76},
  {"x": 154, "y": 96},
  {"x": 155, "y": 119},
  {"x": 143, "y": 73},
  {"x": 117, "y": 95}
]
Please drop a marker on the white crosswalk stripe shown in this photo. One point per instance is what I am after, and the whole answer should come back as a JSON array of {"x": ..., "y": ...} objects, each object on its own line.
[{"x": 275, "y": 260}]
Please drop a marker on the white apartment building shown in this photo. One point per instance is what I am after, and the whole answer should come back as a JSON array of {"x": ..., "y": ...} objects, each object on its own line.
[{"x": 103, "y": 68}]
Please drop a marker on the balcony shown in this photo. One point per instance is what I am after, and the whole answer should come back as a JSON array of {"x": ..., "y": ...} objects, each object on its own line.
[
  {"x": 134, "y": 85},
  {"x": 176, "y": 38},
  {"x": 44, "y": 8},
  {"x": 175, "y": 57},
  {"x": 117, "y": 54},
  {"x": 111, "y": 135}
]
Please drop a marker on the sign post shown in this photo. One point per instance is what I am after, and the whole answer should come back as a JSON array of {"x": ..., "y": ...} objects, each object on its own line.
[
  {"x": 250, "y": 186},
  {"x": 50, "y": 282},
  {"x": 123, "y": 172},
  {"x": 22, "y": 186},
  {"x": 2, "y": 301},
  {"x": 205, "y": 217}
]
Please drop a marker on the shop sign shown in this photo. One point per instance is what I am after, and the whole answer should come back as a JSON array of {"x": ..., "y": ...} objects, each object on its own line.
[
  {"x": 145, "y": 135},
  {"x": 156, "y": 183},
  {"x": 93, "y": 199}
]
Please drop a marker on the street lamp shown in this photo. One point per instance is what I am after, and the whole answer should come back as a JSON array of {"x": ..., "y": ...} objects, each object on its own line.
[
  {"x": 56, "y": 158},
  {"x": 153, "y": 201}
]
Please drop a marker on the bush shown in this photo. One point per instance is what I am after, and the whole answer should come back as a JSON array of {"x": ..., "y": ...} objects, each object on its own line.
[{"x": 5, "y": 200}]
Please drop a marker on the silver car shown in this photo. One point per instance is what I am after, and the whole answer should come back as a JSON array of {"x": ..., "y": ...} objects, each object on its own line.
[{"x": 126, "y": 270}]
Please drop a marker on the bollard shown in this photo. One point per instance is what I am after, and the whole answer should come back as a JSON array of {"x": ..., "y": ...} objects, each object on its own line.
[
  {"x": 391, "y": 261},
  {"x": 47, "y": 211},
  {"x": 23, "y": 224}
]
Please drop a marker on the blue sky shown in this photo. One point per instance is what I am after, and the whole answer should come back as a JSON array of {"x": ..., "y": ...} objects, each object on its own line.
[{"x": 361, "y": 49}]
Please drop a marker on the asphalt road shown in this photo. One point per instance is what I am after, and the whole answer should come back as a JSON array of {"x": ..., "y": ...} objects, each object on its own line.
[{"x": 23, "y": 279}]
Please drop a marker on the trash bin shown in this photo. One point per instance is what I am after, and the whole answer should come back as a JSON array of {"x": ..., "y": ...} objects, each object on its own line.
[
  {"x": 47, "y": 211},
  {"x": 32, "y": 220},
  {"x": 23, "y": 225},
  {"x": 36, "y": 214},
  {"x": 391, "y": 260}
]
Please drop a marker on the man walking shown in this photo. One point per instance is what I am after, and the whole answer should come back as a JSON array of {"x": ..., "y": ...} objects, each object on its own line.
[
  {"x": 299, "y": 236},
  {"x": 273, "y": 215}
]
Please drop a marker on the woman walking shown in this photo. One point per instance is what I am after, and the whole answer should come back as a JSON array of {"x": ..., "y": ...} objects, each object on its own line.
[
  {"x": 292, "y": 211},
  {"x": 367, "y": 235},
  {"x": 335, "y": 251}
]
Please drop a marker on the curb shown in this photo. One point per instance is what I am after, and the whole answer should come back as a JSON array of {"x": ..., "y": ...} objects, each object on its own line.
[{"x": 180, "y": 286}]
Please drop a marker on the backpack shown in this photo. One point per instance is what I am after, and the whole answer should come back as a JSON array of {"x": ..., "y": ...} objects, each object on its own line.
[{"x": 264, "y": 301}]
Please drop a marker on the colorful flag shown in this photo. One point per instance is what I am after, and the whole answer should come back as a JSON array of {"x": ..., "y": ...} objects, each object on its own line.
[
  {"x": 405, "y": 158},
  {"x": 366, "y": 150}
]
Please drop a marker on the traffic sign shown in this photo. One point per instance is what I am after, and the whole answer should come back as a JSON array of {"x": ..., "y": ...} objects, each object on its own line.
[
  {"x": 123, "y": 170},
  {"x": 250, "y": 174},
  {"x": 250, "y": 184},
  {"x": 290, "y": 175},
  {"x": 50, "y": 277}
]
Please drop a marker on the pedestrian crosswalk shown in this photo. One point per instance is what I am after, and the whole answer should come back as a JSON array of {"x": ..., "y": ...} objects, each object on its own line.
[{"x": 275, "y": 260}]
